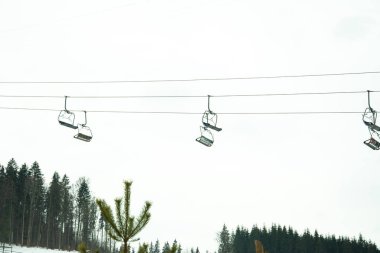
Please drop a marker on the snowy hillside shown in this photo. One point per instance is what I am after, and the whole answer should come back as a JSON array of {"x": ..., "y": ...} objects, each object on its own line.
[{"x": 19, "y": 249}]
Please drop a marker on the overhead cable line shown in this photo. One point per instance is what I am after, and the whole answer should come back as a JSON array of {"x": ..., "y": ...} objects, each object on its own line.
[
  {"x": 103, "y": 97},
  {"x": 190, "y": 96},
  {"x": 293, "y": 94},
  {"x": 186, "y": 113},
  {"x": 194, "y": 79}
]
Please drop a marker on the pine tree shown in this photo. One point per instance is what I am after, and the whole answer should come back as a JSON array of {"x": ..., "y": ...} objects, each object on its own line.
[
  {"x": 67, "y": 215},
  {"x": 143, "y": 248},
  {"x": 101, "y": 226},
  {"x": 125, "y": 227},
  {"x": 92, "y": 218},
  {"x": 166, "y": 248},
  {"x": 176, "y": 248},
  {"x": 151, "y": 248},
  {"x": 53, "y": 212},
  {"x": 83, "y": 199},
  {"x": 224, "y": 241},
  {"x": 3, "y": 229},
  {"x": 157, "y": 247},
  {"x": 22, "y": 192},
  {"x": 36, "y": 206},
  {"x": 11, "y": 180},
  {"x": 179, "y": 250}
]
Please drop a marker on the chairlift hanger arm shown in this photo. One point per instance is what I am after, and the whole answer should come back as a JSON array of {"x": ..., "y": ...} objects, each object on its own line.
[
  {"x": 85, "y": 118},
  {"x": 369, "y": 99},
  {"x": 65, "y": 103},
  {"x": 208, "y": 102}
]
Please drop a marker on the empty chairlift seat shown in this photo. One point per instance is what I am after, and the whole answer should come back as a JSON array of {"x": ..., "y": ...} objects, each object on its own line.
[
  {"x": 210, "y": 120},
  {"x": 206, "y": 137},
  {"x": 369, "y": 119},
  {"x": 67, "y": 119},
  {"x": 84, "y": 133},
  {"x": 372, "y": 143}
]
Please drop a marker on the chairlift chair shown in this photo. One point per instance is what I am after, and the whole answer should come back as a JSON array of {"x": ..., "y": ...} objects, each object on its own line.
[
  {"x": 67, "y": 118},
  {"x": 210, "y": 119},
  {"x": 206, "y": 137},
  {"x": 370, "y": 115},
  {"x": 374, "y": 141},
  {"x": 369, "y": 119},
  {"x": 84, "y": 132}
]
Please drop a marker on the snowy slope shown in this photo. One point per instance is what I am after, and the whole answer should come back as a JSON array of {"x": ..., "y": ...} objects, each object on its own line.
[{"x": 19, "y": 249}]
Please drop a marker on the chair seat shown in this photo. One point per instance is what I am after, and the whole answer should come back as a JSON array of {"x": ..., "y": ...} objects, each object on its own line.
[
  {"x": 63, "y": 123},
  {"x": 212, "y": 126},
  {"x": 205, "y": 141},
  {"x": 372, "y": 143},
  {"x": 372, "y": 126},
  {"x": 83, "y": 137}
]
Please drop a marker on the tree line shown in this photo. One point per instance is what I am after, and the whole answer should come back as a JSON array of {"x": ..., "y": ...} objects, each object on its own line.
[
  {"x": 58, "y": 215},
  {"x": 62, "y": 215},
  {"x": 281, "y": 239}
]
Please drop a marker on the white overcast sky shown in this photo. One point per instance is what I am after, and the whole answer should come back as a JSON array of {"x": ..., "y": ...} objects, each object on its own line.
[{"x": 310, "y": 171}]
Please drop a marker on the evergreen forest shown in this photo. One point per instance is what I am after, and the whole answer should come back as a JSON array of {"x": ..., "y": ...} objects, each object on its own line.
[{"x": 281, "y": 239}]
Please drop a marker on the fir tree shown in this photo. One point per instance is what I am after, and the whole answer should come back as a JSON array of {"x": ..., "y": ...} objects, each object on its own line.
[
  {"x": 224, "y": 241},
  {"x": 36, "y": 206},
  {"x": 11, "y": 183},
  {"x": 67, "y": 215},
  {"x": 157, "y": 247},
  {"x": 53, "y": 204},
  {"x": 143, "y": 248},
  {"x": 3, "y": 229},
  {"x": 166, "y": 248},
  {"x": 83, "y": 209},
  {"x": 151, "y": 248},
  {"x": 22, "y": 192}
]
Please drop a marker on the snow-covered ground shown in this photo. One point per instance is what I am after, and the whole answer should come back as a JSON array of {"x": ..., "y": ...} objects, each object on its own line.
[{"x": 19, "y": 249}]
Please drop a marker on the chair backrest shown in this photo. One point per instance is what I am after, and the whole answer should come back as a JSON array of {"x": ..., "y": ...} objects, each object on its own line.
[
  {"x": 210, "y": 120},
  {"x": 67, "y": 119}
]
